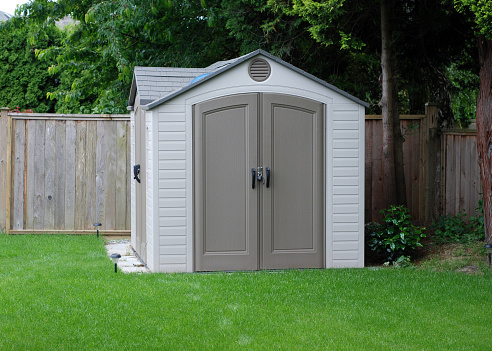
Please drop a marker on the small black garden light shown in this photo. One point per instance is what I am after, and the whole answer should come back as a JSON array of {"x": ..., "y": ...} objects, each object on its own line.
[
  {"x": 488, "y": 247},
  {"x": 97, "y": 225},
  {"x": 115, "y": 257}
]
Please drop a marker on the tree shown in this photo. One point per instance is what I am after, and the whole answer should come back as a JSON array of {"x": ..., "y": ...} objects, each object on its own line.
[
  {"x": 25, "y": 81},
  {"x": 112, "y": 37},
  {"x": 394, "y": 176},
  {"x": 481, "y": 11},
  {"x": 346, "y": 24}
]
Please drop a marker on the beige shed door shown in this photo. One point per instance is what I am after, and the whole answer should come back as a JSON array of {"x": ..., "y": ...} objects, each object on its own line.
[{"x": 241, "y": 222}]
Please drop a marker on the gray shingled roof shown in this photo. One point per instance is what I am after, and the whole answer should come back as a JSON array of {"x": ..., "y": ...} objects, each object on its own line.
[
  {"x": 4, "y": 16},
  {"x": 155, "y": 82},
  {"x": 157, "y": 85}
]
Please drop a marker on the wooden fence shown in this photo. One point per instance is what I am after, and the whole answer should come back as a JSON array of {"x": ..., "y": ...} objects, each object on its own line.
[
  {"x": 63, "y": 173},
  {"x": 441, "y": 168},
  {"x": 461, "y": 184}
]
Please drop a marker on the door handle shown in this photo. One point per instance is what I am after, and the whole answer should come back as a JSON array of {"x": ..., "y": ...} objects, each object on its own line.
[
  {"x": 253, "y": 174},
  {"x": 268, "y": 177},
  {"x": 136, "y": 172}
]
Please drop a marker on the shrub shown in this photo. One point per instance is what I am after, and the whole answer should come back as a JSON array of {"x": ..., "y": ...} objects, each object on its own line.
[
  {"x": 396, "y": 237},
  {"x": 459, "y": 229}
]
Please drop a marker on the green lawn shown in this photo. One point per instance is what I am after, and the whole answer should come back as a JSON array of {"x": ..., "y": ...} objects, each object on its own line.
[{"x": 61, "y": 293}]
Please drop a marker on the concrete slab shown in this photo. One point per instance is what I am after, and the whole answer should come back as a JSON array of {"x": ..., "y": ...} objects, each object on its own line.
[{"x": 129, "y": 262}]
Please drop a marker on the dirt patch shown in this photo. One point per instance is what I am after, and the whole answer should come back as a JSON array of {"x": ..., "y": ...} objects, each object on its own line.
[{"x": 469, "y": 270}]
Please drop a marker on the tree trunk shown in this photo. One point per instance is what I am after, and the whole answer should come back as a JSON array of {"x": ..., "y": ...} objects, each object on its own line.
[
  {"x": 394, "y": 177},
  {"x": 484, "y": 131}
]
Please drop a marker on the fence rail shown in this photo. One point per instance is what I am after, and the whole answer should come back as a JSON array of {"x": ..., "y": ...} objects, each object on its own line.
[{"x": 65, "y": 172}]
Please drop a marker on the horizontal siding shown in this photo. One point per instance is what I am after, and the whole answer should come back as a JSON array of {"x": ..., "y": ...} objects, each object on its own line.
[
  {"x": 172, "y": 174},
  {"x": 170, "y": 240},
  {"x": 170, "y": 145},
  {"x": 345, "y": 227},
  {"x": 345, "y": 246},
  {"x": 346, "y": 172},
  {"x": 345, "y": 162},
  {"x": 172, "y": 189},
  {"x": 345, "y": 199},
  {"x": 346, "y": 255},
  {"x": 346, "y": 194},
  {"x": 172, "y": 231},
  {"x": 345, "y": 236},
  {"x": 344, "y": 181},
  {"x": 173, "y": 260},
  {"x": 170, "y": 268},
  {"x": 345, "y": 218},
  {"x": 346, "y": 209},
  {"x": 172, "y": 249}
]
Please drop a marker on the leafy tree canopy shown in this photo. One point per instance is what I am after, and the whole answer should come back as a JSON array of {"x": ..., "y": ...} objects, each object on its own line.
[
  {"x": 111, "y": 37},
  {"x": 25, "y": 81}
]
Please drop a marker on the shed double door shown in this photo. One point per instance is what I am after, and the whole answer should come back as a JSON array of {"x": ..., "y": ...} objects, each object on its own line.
[{"x": 242, "y": 223}]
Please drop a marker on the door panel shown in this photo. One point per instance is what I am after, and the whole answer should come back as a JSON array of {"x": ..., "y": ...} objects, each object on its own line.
[
  {"x": 292, "y": 205},
  {"x": 226, "y": 221}
]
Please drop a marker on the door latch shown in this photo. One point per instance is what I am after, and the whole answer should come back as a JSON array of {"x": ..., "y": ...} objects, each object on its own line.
[{"x": 259, "y": 173}]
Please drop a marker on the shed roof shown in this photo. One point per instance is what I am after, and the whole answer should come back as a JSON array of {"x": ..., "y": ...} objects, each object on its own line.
[
  {"x": 157, "y": 85},
  {"x": 4, "y": 16}
]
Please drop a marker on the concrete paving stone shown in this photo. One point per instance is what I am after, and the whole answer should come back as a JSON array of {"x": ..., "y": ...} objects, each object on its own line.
[{"x": 129, "y": 262}]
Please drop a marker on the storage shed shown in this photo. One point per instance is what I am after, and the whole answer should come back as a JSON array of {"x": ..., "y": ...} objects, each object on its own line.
[{"x": 246, "y": 164}]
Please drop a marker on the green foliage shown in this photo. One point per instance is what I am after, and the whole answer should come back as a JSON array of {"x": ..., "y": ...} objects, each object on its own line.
[
  {"x": 278, "y": 29},
  {"x": 396, "y": 237},
  {"x": 481, "y": 11},
  {"x": 100, "y": 51},
  {"x": 459, "y": 228},
  {"x": 25, "y": 81},
  {"x": 465, "y": 84}
]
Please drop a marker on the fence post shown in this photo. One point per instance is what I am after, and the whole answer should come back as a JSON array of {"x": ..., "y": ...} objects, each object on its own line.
[
  {"x": 429, "y": 164},
  {"x": 3, "y": 166}
]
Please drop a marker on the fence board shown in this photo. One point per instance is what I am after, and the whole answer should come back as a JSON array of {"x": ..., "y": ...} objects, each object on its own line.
[
  {"x": 18, "y": 175},
  {"x": 110, "y": 175},
  {"x": 90, "y": 175},
  {"x": 49, "y": 180},
  {"x": 70, "y": 150},
  {"x": 60, "y": 174},
  {"x": 100, "y": 176},
  {"x": 39, "y": 175},
  {"x": 121, "y": 176},
  {"x": 80, "y": 181}
]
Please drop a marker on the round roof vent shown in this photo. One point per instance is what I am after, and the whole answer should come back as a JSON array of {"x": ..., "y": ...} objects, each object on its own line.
[{"x": 259, "y": 70}]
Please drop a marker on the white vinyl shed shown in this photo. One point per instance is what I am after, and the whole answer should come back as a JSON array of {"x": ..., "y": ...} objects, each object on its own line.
[{"x": 246, "y": 164}]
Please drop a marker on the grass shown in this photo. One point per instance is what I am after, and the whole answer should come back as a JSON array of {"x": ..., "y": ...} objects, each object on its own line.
[{"x": 61, "y": 293}]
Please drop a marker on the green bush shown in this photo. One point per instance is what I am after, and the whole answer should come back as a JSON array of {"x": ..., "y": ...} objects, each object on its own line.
[
  {"x": 396, "y": 237},
  {"x": 459, "y": 229}
]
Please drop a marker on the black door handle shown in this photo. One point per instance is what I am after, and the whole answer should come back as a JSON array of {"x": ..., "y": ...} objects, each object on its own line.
[
  {"x": 136, "y": 172},
  {"x": 253, "y": 174},
  {"x": 268, "y": 177}
]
